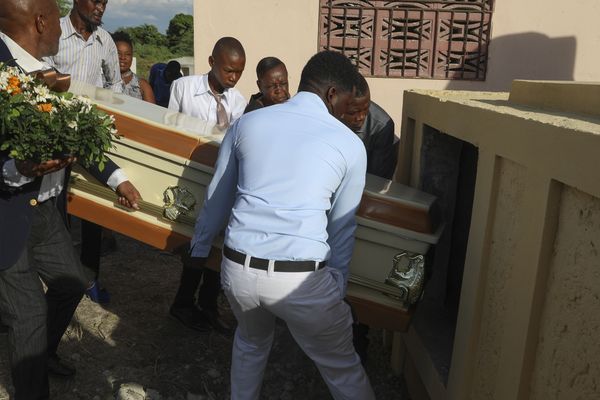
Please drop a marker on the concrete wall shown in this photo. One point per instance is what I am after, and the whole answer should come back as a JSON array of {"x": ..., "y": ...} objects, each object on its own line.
[
  {"x": 567, "y": 363},
  {"x": 533, "y": 39},
  {"x": 530, "y": 302},
  {"x": 281, "y": 28}
]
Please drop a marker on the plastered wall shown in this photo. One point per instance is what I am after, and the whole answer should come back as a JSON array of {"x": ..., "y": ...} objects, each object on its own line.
[
  {"x": 511, "y": 188},
  {"x": 529, "y": 312},
  {"x": 282, "y": 28},
  {"x": 533, "y": 39},
  {"x": 567, "y": 362}
]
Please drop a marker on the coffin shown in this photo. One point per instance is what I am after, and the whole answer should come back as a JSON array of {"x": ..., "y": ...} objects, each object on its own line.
[{"x": 170, "y": 157}]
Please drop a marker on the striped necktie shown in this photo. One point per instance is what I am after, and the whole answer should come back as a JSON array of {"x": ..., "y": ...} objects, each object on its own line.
[{"x": 222, "y": 118}]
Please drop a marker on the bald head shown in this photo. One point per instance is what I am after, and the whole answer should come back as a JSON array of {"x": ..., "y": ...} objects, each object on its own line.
[
  {"x": 32, "y": 24},
  {"x": 14, "y": 11}
]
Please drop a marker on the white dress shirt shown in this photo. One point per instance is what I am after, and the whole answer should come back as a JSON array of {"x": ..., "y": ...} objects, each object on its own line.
[
  {"x": 94, "y": 61},
  {"x": 290, "y": 178},
  {"x": 191, "y": 95},
  {"x": 53, "y": 183}
]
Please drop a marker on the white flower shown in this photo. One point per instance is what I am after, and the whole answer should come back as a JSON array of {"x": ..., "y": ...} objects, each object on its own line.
[
  {"x": 41, "y": 91},
  {"x": 72, "y": 125},
  {"x": 27, "y": 79},
  {"x": 64, "y": 102}
]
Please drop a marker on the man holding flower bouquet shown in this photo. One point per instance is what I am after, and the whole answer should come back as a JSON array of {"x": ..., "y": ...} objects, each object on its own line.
[
  {"x": 35, "y": 162},
  {"x": 88, "y": 53}
]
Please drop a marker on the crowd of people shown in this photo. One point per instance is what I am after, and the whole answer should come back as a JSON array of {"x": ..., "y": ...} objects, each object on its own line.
[{"x": 288, "y": 180}]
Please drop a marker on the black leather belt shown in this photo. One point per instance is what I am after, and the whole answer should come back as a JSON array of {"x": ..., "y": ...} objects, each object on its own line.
[{"x": 279, "y": 266}]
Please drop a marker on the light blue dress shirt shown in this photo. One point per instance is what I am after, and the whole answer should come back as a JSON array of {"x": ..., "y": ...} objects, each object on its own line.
[{"x": 290, "y": 178}]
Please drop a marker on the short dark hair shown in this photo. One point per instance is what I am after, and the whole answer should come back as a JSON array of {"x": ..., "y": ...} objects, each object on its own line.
[
  {"x": 361, "y": 86},
  {"x": 121, "y": 36},
  {"x": 329, "y": 68},
  {"x": 267, "y": 64},
  {"x": 228, "y": 45}
]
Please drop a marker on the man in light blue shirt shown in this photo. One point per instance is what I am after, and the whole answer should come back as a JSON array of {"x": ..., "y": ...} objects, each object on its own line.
[{"x": 290, "y": 178}]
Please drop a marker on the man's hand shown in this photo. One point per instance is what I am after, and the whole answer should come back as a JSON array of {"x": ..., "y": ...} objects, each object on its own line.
[
  {"x": 33, "y": 169},
  {"x": 128, "y": 195}
]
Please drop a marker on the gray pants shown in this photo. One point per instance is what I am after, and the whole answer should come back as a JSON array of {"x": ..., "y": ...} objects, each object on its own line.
[
  {"x": 37, "y": 321},
  {"x": 311, "y": 304}
]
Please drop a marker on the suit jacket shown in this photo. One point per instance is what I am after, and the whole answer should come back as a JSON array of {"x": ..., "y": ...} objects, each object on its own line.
[
  {"x": 377, "y": 133},
  {"x": 16, "y": 204}
]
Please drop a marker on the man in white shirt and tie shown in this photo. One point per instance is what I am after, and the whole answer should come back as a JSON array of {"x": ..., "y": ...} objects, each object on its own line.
[
  {"x": 203, "y": 96},
  {"x": 211, "y": 97}
]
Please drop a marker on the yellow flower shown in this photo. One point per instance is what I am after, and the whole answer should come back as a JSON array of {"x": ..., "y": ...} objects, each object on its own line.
[
  {"x": 14, "y": 85},
  {"x": 14, "y": 81},
  {"x": 46, "y": 107}
]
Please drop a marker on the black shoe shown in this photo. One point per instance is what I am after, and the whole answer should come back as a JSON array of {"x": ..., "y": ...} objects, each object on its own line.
[
  {"x": 216, "y": 322},
  {"x": 190, "y": 317},
  {"x": 58, "y": 367}
]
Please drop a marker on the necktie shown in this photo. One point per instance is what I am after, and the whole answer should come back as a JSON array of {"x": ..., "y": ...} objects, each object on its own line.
[{"x": 222, "y": 118}]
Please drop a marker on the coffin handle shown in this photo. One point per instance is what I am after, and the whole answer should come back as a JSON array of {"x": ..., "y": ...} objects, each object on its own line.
[
  {"x": 178, "y": 201},
  {"x": 407, "y": 275}
]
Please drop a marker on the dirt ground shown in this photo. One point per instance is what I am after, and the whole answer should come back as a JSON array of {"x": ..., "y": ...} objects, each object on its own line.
[{"x": 132, "y": 340}]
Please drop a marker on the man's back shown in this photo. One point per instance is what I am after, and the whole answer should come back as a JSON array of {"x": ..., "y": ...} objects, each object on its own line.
[
  {"x": 161, "y": 88},
  {"x": 292, "y": 159}
]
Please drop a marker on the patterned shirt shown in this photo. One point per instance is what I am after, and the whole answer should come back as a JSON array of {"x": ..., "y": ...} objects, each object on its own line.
[
  {"x": 94, "y": 61},
  {"x": 133, "y": 88}
]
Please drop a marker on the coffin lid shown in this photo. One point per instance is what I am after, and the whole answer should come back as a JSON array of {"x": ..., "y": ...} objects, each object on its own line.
[{"x": 387, "y": 206}]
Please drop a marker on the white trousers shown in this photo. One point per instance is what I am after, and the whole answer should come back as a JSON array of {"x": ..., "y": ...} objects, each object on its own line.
[{"x": 311, "y": 303}]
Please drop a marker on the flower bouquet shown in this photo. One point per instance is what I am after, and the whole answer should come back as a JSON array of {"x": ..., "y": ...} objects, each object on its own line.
[{"x": 39, "y": 124}]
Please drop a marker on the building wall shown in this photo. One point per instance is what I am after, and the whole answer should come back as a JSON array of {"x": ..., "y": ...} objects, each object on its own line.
[
  {"x": 530, "y": 294},
  {"x": 281, "y": 28},
  {"x": 567, "y": 364},
  {"x": 534, "y": 39}
]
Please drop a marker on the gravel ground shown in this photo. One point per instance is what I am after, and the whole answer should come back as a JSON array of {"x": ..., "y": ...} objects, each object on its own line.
[{"x": 133, "y": 341}]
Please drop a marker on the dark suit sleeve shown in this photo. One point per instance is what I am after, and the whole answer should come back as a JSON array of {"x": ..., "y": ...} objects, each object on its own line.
[
  {"x": 382, "y": 156},
  {"x": 102, "y": 176}
]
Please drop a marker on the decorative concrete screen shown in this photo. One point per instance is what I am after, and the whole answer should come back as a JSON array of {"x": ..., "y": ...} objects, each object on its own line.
[{"x": 410, "y": 39}]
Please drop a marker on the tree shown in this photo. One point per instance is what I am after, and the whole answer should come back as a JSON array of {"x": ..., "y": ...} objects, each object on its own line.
[
  {"x": 64, "y": 6},
  {"x": 146, "y": 34},
  {"x": 180, "y": 35},
  {"x": 151, "y": 46}
]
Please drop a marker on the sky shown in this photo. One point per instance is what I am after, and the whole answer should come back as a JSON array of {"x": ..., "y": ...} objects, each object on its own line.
[{"x": 125, "y": 13}]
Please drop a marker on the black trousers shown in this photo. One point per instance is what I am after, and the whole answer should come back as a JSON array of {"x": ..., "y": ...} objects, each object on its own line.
[
  {"x": 199, "y": 285},
  {"x": 37, "y": 321},
  {"x": 91, "y": 246}
]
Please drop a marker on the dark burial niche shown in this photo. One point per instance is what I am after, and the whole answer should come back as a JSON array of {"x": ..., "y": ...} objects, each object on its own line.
[{"x": 448, "y": 170}]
